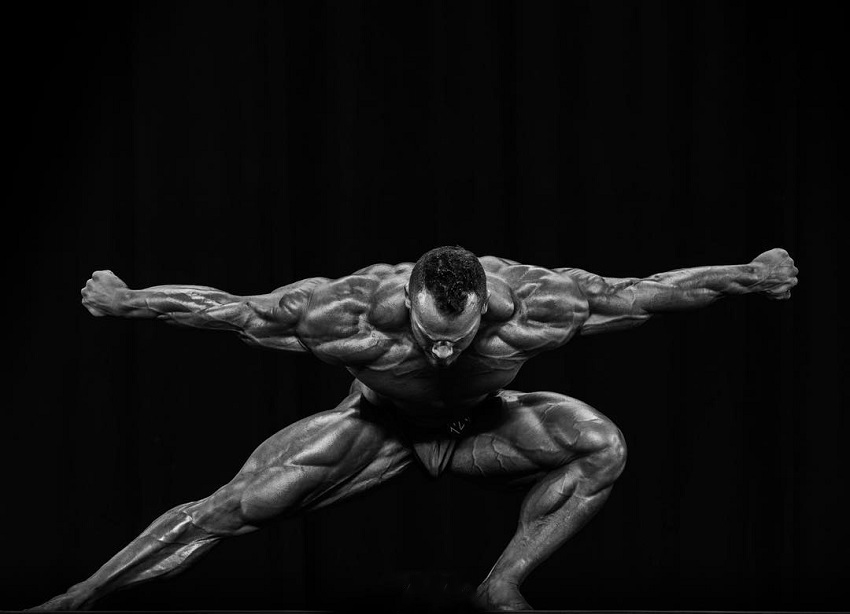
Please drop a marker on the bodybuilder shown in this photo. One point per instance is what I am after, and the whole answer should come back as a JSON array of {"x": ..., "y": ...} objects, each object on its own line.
[{"x": 432, "y": 348}]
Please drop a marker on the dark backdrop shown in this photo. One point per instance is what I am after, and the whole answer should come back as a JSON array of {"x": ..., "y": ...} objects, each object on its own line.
[{"x": 247, "y": 145}]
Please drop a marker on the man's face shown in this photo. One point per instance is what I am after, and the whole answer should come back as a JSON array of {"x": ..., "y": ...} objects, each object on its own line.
[{"x": 442, "y": 338}]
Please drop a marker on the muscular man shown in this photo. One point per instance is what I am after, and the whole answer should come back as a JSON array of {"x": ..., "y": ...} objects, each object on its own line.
[{"x": 432, "y": 348}]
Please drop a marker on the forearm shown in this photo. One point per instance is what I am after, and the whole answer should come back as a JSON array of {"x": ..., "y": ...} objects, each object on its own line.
[
  {"x": 159, "y": 301},
  {"x": 694, "y": 288},
  {"x": 193, "y": 306}
]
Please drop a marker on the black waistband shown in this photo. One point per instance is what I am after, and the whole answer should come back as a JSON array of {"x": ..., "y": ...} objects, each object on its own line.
[{"x": 456, "y": 427}]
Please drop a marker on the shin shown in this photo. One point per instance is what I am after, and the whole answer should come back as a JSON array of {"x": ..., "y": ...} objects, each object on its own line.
[
  {"x": 168, "y": 546},
  {"x": 554, "y": 510}
]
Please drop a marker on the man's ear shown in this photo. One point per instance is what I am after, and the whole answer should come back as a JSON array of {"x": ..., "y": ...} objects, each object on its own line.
[{"x": 486, "y": 304}]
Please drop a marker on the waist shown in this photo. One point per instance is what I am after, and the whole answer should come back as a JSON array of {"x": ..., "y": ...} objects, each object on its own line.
[{"x": 433, "y": 414}]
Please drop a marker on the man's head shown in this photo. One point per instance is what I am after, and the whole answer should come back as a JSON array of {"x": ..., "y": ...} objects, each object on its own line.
[{"x": 446, "y": 295}]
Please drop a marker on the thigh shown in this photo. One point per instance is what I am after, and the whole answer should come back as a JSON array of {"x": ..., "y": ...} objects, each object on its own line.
[
  {"x": 530, "y": 434},
  {"x": 319, "y": 460}
]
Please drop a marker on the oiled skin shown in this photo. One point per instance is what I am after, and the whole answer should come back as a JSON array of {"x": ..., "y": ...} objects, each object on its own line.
[
  {"x": 361, "y": 322},
  {"x": 571, "y": 452}
]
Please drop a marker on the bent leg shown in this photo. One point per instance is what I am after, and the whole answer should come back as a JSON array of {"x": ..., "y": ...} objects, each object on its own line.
[
  {"x": 309, "y": 464},
  {"x": 573, "y": 454}
]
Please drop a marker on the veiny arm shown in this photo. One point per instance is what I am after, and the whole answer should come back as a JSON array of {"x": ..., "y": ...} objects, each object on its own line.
[
  {"x": 617, "y": 304},
  {"x": 268, "y": 320}
]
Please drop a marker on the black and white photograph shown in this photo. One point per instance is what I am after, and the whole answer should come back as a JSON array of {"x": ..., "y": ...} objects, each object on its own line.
[{"x": 425, "y": 307}]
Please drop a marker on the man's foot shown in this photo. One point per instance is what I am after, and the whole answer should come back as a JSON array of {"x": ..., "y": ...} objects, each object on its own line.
[
  {"x": 499, "y": 597},
  {"x": 72, "y": 600}
]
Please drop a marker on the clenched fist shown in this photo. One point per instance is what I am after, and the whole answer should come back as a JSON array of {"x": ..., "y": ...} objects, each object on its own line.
[
  {"x": 103, "y": 294},
  {"x": 778, "y": 274}
]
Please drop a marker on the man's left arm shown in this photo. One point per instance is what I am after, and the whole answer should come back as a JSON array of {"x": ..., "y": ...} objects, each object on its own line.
[{"x": 617, "y": 304}]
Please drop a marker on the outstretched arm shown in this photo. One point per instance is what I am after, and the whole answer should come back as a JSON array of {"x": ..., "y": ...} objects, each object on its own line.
[
  {"x": 268, "y": 320},
  {"x": 617, "y": 304}
]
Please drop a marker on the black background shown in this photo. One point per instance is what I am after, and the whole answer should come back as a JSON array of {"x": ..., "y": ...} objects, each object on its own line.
[{"x": 247, "y": 145}]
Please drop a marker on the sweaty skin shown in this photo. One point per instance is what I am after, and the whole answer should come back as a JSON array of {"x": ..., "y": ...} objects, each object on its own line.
[{"x": 427, "y": 370}]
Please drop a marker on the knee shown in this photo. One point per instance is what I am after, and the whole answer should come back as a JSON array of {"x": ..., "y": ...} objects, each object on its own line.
[
  {"x": 221, "y": 514},
  {"x": 605, "y": 449}
]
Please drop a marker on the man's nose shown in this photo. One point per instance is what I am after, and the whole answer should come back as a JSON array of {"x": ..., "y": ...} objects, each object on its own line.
[{"x": 442, "y": 350}]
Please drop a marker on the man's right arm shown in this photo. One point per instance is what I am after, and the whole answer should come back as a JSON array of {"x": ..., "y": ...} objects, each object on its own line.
[{"x": 268, "y": 320}]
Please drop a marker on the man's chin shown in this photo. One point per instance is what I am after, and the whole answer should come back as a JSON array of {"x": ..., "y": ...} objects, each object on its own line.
[{"x": 441, "y": 364}]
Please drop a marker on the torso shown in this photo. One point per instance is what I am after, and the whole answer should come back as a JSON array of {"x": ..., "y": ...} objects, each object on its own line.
[{"x": 362, "y": 323}]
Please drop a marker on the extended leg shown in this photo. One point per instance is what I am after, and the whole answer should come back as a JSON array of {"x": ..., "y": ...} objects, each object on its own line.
[
  {"x": 572, "y": 452},
  {"x": 307, "y": 465}
]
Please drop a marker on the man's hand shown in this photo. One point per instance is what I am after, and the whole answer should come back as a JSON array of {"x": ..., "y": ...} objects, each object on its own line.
[
  {"x": 777, "y": 272},
  {"x": 102, "y": 295}
]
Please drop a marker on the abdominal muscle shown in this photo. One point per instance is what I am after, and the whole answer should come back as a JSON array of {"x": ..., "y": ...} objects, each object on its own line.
[{"x": 429, "y": 397}]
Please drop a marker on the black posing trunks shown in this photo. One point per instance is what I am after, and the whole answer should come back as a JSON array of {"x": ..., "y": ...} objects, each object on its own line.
[{"x": 433, "y": 446}]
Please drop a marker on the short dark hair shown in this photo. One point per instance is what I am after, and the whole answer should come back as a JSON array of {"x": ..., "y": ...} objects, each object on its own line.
[{"x": 449, "y": 273}]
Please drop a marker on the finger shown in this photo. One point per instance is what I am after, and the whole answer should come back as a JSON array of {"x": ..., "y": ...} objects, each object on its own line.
[{"x": 92, "y": 309}]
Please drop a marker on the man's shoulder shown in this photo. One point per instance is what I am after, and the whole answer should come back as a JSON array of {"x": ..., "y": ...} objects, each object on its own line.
[
  {"x": 526, "y": 280},
  {"x": 366, "y": 282},
  {"x": 537, "y": 294},
  {"x": 494, "y": 264},
  {"x": 376, "y": 291},
  {"x": 382, "y": 270}
]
